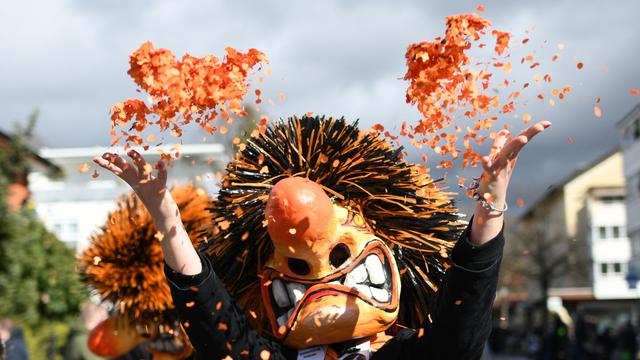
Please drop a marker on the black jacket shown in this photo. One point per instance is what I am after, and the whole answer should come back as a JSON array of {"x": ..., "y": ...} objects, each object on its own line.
[{"x": 460, "y": 319}]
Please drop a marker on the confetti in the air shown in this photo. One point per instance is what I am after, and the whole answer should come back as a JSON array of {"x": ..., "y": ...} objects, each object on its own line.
[
  {"x": 597, "y": 112},
  {"x": 442, "y": 81},
  {"x": 182, "y": 91}
]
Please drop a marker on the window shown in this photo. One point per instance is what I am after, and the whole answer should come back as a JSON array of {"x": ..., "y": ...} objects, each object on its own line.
[
  {"x": 612, "y": 199},
  {"x": 617, "y": 268},
  {"x": 610, "y": 232},
  {"x": 613, "y": 269},
  {"x": 616, "y": 232},
  {"x": 602, "y": 232},
  {"x": 67, "y": 231}
]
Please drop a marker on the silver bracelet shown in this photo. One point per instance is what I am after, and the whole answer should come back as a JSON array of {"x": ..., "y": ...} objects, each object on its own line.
[{"x": 484, "y": 203}]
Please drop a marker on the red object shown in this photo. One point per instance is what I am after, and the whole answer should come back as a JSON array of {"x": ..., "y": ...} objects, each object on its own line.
[{"x": 110, "y": 338}]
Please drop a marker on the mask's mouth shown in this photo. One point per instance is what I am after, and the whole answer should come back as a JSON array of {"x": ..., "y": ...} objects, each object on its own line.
[{"x": 370, "y": 278}]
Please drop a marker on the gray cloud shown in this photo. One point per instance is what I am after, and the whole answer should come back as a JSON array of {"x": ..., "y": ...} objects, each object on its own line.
[{"x": 69, "y": 59}]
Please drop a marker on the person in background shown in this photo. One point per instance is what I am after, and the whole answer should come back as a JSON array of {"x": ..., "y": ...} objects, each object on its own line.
[
  {"x": 77, "y": 348},
  {"x": 12, "y": 338}
]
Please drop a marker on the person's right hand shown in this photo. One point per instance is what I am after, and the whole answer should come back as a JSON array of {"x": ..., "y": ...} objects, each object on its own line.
[{"x": 149, "y": 188}]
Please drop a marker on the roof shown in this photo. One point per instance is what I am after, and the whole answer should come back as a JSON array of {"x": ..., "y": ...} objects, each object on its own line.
[
  {"x": 632, "y": 115},
  {"x": 37, "y": 158},
  {"x": 552, "y": 189}
]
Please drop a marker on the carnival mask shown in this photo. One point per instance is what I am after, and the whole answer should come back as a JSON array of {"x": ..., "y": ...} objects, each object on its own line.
[{"x": 330, "y": 279}]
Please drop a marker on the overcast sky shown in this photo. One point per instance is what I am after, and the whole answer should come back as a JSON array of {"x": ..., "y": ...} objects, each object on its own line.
[{"x": 68, "y": 58}]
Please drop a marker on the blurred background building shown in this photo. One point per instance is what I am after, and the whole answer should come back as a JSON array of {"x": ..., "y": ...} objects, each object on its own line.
[
  {"x": 77, "y": 204},
  {"x": 18, "y": 188},
  {"x": 629, "y": 127}
]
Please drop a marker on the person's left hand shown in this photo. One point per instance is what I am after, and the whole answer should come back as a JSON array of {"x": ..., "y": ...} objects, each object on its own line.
[
  {"x": 499, "y": 164},
  {"x": 498, "y": 167}
]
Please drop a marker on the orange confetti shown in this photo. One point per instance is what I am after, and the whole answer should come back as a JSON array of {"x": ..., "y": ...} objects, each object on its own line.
[
  {"x": 634, "y": 92},
  {"x": 441, "y": 83},
  {"x": 580, "y": 65},
  {"x": 526, "y": 118},
  {"x": 481, "y": 8},
  {"x": 597, "y": 112},
  {"x": 520, "y": 202},
  {"x": 224, "y": 224},
  {"x": 183, "y": 91},
  {"x": 265, "y": 355},
  {"x": 95, "y": 174},
  {"x": 83, "y": 168}
]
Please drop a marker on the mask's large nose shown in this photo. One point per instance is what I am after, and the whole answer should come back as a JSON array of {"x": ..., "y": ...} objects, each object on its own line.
[{"x": 298, "y": 213}]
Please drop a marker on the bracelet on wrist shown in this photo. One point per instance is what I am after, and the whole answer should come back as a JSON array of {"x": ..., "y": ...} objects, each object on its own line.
[{"x": 480, "y": 199}]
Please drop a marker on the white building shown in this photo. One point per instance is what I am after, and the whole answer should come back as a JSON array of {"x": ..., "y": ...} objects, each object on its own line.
[
  {"x": 629, "y": 127},
  {"x": 76, "y": 205},
  {"x": 588, "y": 208},
  {"x": 610, "y": 248}
]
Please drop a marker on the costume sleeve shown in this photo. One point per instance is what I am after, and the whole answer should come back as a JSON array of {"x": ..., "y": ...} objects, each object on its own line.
[
  {"x": 215, "y": 324},
  {"x": 460, "y": 315}
]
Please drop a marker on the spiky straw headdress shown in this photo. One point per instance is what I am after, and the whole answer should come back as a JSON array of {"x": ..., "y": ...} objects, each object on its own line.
[
  {"x": 124, "y": 263},
  {"x": 402, "y": 204}
]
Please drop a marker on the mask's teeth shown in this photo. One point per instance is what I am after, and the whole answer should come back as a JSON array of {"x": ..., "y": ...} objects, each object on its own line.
[
  {"x": 380, "y": 295},
  {"x": 375, "y": 269},
  {"x": 358, "y": 275},
  {"x": 280, "y": 294},
  {"x": 364, "y": 289},
  {"x": 282, "y": 319},
  {"x": 296, "y": 292}
]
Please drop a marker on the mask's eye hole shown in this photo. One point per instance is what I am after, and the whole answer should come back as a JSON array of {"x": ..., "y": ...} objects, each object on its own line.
[
  {"x": 358, "y": 220},
  {"x": 298, "y": 266},
  {"x": 339, "y": 254}
]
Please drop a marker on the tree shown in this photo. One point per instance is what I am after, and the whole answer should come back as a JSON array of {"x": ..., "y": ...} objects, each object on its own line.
[
  {"x": 536, "y": 254},
  {"x": 38, "y": 285}
]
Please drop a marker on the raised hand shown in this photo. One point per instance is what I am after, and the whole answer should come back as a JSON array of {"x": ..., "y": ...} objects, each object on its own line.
[
  {"x": 149, "y": 188},
  {"x": 498, "y": 167},
  {"x": 152, "y": 191}
]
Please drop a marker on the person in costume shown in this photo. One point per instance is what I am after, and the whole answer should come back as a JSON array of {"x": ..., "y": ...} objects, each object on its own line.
[
  {"x": 326, "y": 244},
  {"x": 123, "y": 265}
]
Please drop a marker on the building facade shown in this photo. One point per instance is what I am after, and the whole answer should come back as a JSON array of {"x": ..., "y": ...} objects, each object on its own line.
[
  {"x": 629, "y": 127},
  {"x": 587, "y": 211},
  {"x": 76, "y": 205}
]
